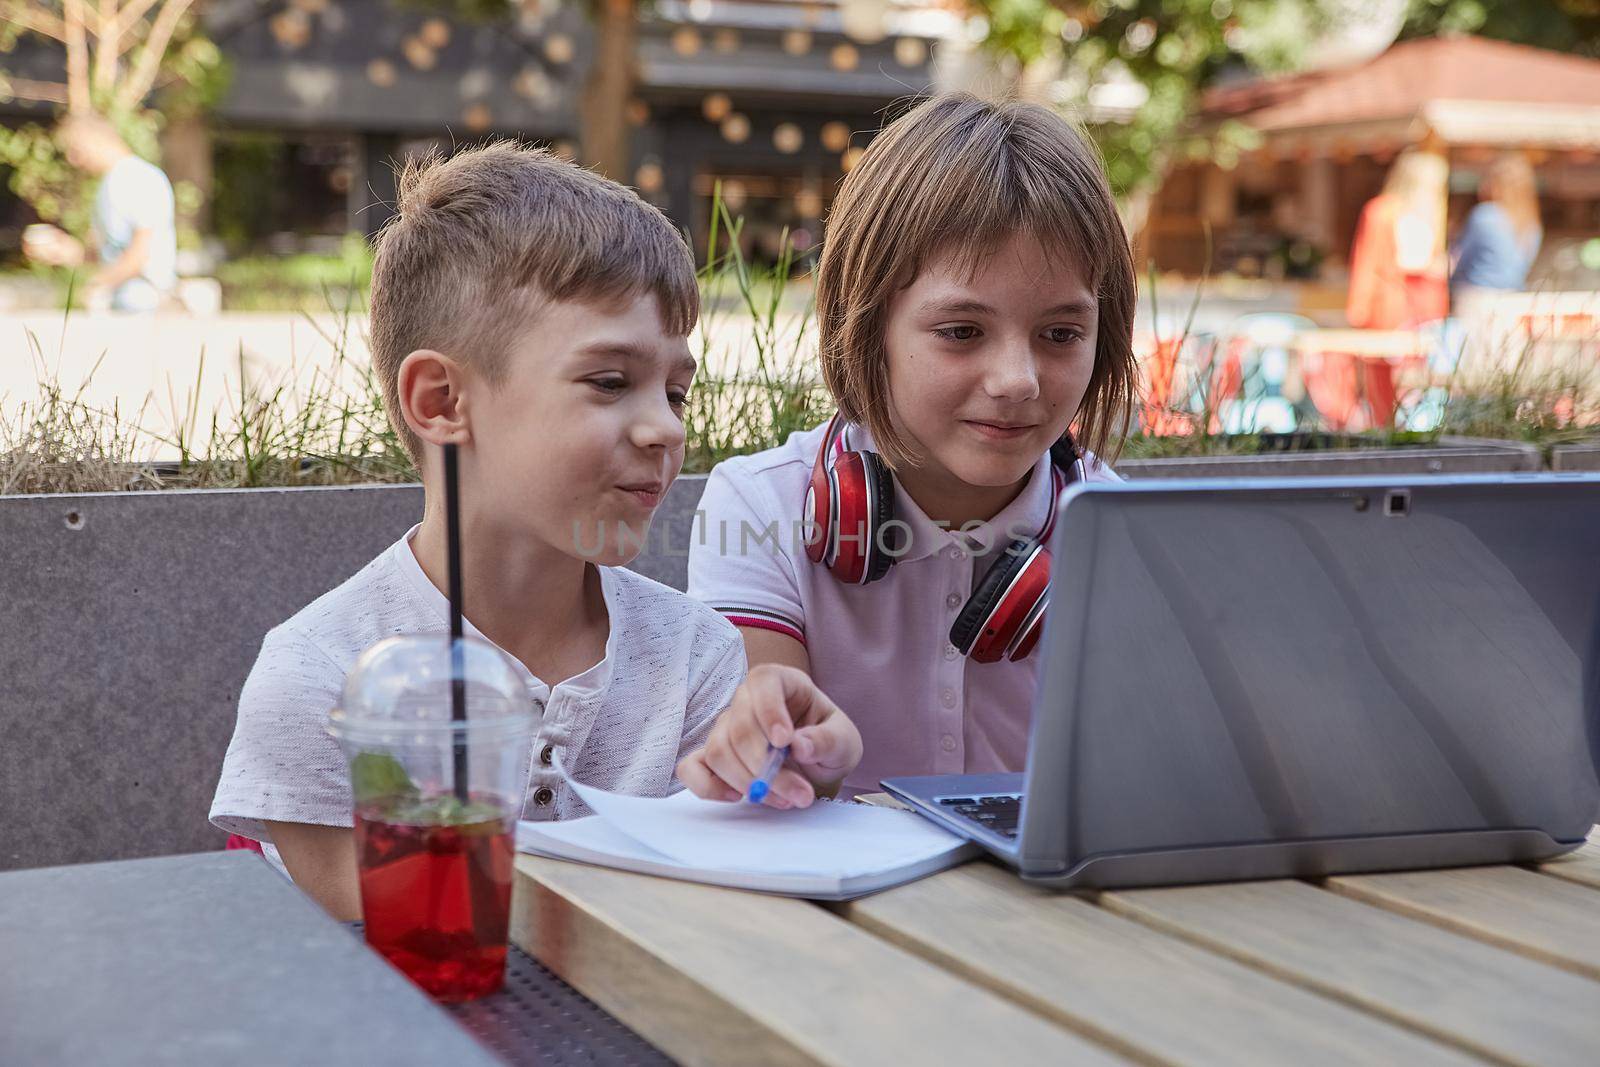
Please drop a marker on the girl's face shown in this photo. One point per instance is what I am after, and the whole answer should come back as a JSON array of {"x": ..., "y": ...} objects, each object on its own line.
[{"x": 986, "y": 372}]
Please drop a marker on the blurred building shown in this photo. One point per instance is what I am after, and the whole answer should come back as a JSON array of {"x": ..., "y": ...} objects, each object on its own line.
[
  {"x": 768, "y": 99},
  {"x": 1328, "y": 137}
]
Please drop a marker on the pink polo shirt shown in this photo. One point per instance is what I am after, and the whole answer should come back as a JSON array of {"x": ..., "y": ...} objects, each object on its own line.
[{"x": 881, "y": 651}]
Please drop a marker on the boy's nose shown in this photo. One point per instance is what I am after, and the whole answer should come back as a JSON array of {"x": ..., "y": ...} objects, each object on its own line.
[{"x": 661, "y": 428}]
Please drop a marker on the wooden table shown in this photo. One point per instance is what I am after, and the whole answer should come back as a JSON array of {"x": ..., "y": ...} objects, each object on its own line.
[{"x": 972, "y": 967}]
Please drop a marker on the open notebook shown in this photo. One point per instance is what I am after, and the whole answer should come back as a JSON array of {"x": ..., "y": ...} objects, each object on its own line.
[{"x": 829, "y": 851}]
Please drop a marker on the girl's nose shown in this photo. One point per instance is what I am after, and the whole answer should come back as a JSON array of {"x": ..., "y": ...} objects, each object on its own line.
[{"x": 1013, "y": 374}]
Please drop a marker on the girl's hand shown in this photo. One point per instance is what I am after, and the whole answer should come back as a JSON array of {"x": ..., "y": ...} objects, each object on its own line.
[{"x": 779, "y": 706}]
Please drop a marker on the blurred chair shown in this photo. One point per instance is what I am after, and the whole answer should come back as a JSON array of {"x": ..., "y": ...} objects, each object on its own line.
[{"x": 1248, "y": 390}]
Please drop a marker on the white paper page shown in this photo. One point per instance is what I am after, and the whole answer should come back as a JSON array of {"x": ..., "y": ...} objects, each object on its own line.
[
  {"x": 831, "y": 839},
  {"x": 593, "y": 833}
]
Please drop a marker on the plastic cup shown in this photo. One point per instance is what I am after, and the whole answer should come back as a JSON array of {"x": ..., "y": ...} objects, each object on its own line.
[{"x": 434, "y": 854}]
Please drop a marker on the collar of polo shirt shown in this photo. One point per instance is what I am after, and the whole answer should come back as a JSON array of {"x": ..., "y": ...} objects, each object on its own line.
[{"x": 1028, "y": 512}]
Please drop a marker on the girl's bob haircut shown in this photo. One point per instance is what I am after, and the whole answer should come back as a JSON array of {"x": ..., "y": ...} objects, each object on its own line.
[{"x": 960, "y": 175}]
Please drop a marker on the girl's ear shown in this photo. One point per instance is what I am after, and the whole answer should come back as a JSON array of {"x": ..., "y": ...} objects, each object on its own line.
[{"x": 431, "y": 397}]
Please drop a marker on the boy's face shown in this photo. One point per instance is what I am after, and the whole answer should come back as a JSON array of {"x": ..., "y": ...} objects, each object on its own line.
[
  {"x": 583, "y": 434},
  {"x": 986, "y": 372}
]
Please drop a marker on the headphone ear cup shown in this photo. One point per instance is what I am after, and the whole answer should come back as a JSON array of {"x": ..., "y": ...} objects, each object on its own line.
[
  {"x": 850, "y": 534},
  {"x": 1007, "y": 605},
  {"x": 819, "y": 515},
  {"x": 883, "y": 543}
]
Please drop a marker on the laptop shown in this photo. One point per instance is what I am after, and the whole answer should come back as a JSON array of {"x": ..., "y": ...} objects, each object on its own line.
[{"x": 1295, "y": 678}]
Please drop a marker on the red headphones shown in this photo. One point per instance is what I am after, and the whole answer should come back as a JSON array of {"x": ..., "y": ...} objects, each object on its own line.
[{"x": 855, "y": 492}]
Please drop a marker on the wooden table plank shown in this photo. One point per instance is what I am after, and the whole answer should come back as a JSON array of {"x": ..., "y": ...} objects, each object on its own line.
[
  {"x": 1549, "y": 919},
  {"x": 717, "y": 976},
  {"x": 1143, "y": 992},
  {"x": 1483, "y": 998},
  {"x": 1582, "y": 865}
]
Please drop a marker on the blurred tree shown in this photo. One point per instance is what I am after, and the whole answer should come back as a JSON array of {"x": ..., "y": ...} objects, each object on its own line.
[
  {"x": 1174, "y": 49},
  {"x": 1560, "y": 25},
  {"x": 1171, "y": 49}
]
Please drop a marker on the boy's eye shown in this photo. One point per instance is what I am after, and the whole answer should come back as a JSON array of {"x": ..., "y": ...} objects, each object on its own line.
[
  {"x": 1064, "y": 335},
  {"x": 956, "y": 333},
  {"x": 609, "y": 385}
]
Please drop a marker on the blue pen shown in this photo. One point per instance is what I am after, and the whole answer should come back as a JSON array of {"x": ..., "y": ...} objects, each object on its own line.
[{"x": 763, "y": 783}]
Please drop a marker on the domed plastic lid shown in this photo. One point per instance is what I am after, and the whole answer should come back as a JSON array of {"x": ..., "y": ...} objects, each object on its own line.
[{"x": 402, "y": 686}]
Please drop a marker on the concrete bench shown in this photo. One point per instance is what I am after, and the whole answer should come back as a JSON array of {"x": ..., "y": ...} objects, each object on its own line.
[{"x": 128, "y": 622}]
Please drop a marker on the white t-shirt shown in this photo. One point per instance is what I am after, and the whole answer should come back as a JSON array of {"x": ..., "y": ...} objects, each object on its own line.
[
  {"x": 136, "y": 195},
  {"x": 881, "y": 651},
  {"x": 671, "y": 665}
]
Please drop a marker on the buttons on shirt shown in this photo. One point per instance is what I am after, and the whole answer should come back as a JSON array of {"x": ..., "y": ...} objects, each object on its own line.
[
  {"x": 948, "y": 698},
  {"x": 544, "y": 796},
  {"x": 951, "y": 651},
  {"x": 547, "y": 755},
  {"x": 946, "y": 742},
  {"x": 953, "y": 601},
  {"x": 952, "y": 553}
]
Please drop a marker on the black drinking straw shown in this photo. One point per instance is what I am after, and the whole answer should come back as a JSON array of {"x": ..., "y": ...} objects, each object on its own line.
[{"x": 458, "y": 666}]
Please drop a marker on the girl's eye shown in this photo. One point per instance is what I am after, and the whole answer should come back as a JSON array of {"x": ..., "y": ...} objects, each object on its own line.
[
  {"x": 956, "y": 333},
  {"x": 677, "y": 397},
  {"x": 1063, "y": 335}
]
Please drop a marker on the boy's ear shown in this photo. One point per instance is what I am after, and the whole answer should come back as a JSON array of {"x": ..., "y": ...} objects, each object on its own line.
[{"x": 430, "y": 386}]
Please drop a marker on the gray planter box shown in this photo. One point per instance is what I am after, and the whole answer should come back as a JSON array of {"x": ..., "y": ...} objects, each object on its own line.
[
  {"x": 1452, "y": 455},
  {"x": 128, "y": 622},
  {"x": 1575, "y": 458}
]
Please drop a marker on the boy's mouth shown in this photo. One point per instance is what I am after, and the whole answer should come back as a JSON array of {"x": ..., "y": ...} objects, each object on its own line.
[{"x": 648, "y": 494}]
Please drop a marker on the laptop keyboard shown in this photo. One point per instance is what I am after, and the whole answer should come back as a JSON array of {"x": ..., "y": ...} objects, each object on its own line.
[{"x": 1001, "y": 813}]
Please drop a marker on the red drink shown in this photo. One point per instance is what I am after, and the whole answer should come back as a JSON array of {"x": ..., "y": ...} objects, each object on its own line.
[{"x": 437, "y": 899}]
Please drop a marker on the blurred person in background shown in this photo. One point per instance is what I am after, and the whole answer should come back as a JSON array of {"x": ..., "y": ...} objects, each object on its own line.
[
  {"x": 134, "y": 223},
  {"x": 1501, "y": 236},
  {"x": 1398, "y": 266},
  {"x": 1493, "y": 255}
]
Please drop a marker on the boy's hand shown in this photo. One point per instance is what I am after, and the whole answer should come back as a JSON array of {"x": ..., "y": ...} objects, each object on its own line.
[{"x": 781, "y": 706}]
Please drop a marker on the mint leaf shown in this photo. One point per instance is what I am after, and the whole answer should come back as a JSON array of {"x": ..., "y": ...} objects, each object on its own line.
[{"x": 374, "y": 776}]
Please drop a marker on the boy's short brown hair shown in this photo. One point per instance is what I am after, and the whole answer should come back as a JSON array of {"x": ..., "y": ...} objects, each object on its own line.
[
  {"x": 961, "y": 174},
  {"x": 479, "y": 240}
]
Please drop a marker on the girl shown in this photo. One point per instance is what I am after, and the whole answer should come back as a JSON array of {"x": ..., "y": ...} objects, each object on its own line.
[
  {"x": 975, "y": 299},
  {"x": 1397, "y": 263}
]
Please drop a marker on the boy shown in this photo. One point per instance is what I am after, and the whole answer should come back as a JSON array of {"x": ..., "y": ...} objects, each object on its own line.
[{"x": 537, "y": 316}]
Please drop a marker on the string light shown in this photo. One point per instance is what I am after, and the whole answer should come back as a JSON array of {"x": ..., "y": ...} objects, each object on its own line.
[
  {"x": 736, "y": 128},
  {"x": 844, "y": 57},
  {"x": 686, "y": 41},
  {"x": 435, "y": 33},
  {"x": 558, "y": 48},
  {"x": 716, "y": 107},
  {"x": 418, "y": 54},
  {"x": 381, "y": 72},
  {"x": 910, "y": 52},
  {"x": 863, "y": 20},
  {"x": 649, "y": 177},
  {"x": 788, "y": 138},
  {"x": 835, "y": 136}
]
